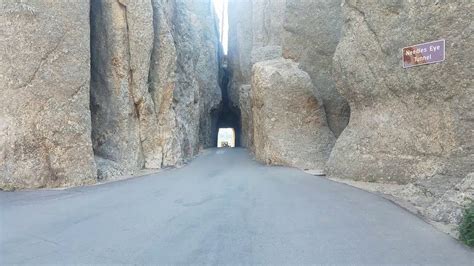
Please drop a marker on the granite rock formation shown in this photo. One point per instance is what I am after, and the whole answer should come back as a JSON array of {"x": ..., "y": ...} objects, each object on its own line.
[
  {"x": 408, "y": 126},
  {"x": 311, "y": 34},
  {"x": 161, "y": 63},
  {"x": 290, "y": 125},
  {"x": 121, "y": 43},
  {"x": 184, "y": 77},
  {"x": 152, "y": 67},
  {"x": 45, "y": 128},
  {"x": 259, "y": 29},
  {"x": 207, "y": 71},
  {"x": 410, "y": 131},
  {"x": 239, "y": 64}
]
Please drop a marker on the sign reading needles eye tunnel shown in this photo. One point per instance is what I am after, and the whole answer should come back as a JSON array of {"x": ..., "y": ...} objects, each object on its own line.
[{"x": 424, "y": 53}]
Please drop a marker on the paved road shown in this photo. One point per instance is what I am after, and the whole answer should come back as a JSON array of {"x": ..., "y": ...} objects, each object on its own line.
[{"x": 223, "y": 208}]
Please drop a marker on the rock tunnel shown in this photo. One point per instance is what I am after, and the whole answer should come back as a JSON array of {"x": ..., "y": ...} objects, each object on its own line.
[{"x": 228, "y": 115}]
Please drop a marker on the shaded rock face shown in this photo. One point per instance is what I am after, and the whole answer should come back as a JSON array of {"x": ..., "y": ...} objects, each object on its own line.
[
  {"x": 239, "y": 64},
  {"x": 410, "y": 126},
  {"x": 207, "y": 71},
  {"x": 290, "y": 125},
  {"x": 121, "y": 43},
  {"x": 44, "y": 93},
  {"x": 181, "y": 84},
  {"x": 152, "y": 67},
  {"x": 306, "y": 31},
  {"x": 311, "y": 34},
  {"x": 155, "y": 67}
]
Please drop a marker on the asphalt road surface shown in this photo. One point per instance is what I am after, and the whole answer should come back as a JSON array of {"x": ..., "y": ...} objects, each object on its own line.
[{"x": 222, "y": 208}]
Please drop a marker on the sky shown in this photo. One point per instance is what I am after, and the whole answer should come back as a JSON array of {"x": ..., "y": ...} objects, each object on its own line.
[{"x": 221, "y": 10}]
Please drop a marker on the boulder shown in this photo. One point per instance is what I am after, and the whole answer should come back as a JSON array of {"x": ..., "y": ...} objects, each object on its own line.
[{"x": 289, "y": 121}]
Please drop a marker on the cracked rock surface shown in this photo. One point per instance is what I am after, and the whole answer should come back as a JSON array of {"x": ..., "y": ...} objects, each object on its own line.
[
  {"x": 155, "y": 84},
  {"x": 408, "y": 126},
  {"x": 44, "y": 93},
  {"x": 115, "y": 85}
]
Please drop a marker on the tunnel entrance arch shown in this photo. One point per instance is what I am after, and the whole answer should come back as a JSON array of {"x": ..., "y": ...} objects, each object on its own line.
[{"x": 229, "y": 118}]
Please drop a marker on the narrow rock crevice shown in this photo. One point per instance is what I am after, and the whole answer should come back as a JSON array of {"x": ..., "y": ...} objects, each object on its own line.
[
  {"x": 159, "y": 93},
  {"x": 115, "y": 125},
  {"x": 228, "y": 115}
]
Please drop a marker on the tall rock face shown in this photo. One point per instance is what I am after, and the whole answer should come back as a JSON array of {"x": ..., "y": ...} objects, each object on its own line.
[
  {"x": 207, "y": 71},
  {"x": 290, "y": 125},
  {"x": 45, "y": 138},
  {"x": 239, "y": 64},
  {"x": 184, "y": 92},
  {"x": 410, "y": 125},
  {"x": 132, "y": 82},
  {"x": 155, "y": 82},
  {"x": 311, "y": 34},
  {"x": 255, "y": 31},
  {"x": 122, "y": 108},
  {"x": 306, "y": 31}
]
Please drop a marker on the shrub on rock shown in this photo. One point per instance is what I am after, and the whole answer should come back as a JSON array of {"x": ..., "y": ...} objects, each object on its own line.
[{"x": 466, "y": 228}]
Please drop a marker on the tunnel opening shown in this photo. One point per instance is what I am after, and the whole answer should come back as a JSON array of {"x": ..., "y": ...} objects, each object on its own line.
[
  {"x": 226, "y": 138},
  {"x": 228, "y": 115},
  {"x": 229, "y": 118}
]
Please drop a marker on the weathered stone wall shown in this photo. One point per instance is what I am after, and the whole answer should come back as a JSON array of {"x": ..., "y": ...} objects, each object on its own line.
[
  {"x": 152, "y": 67},
  {"x": 269, "y": 29},
  {"x": 306, "y": 31},
  {"x": 412, "y": 128},
  {"x": 409, "y": 126},
  {"x": 239, "y": 64},
  {"x": 45, "y": 138},
  {"x": 311, "y": 34},
  {"x": 184, "y": 79},
  {"x": 406, "y": 124},
  {"x": 121, "y": 43},
  {"x": 207, "y": 70}
]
